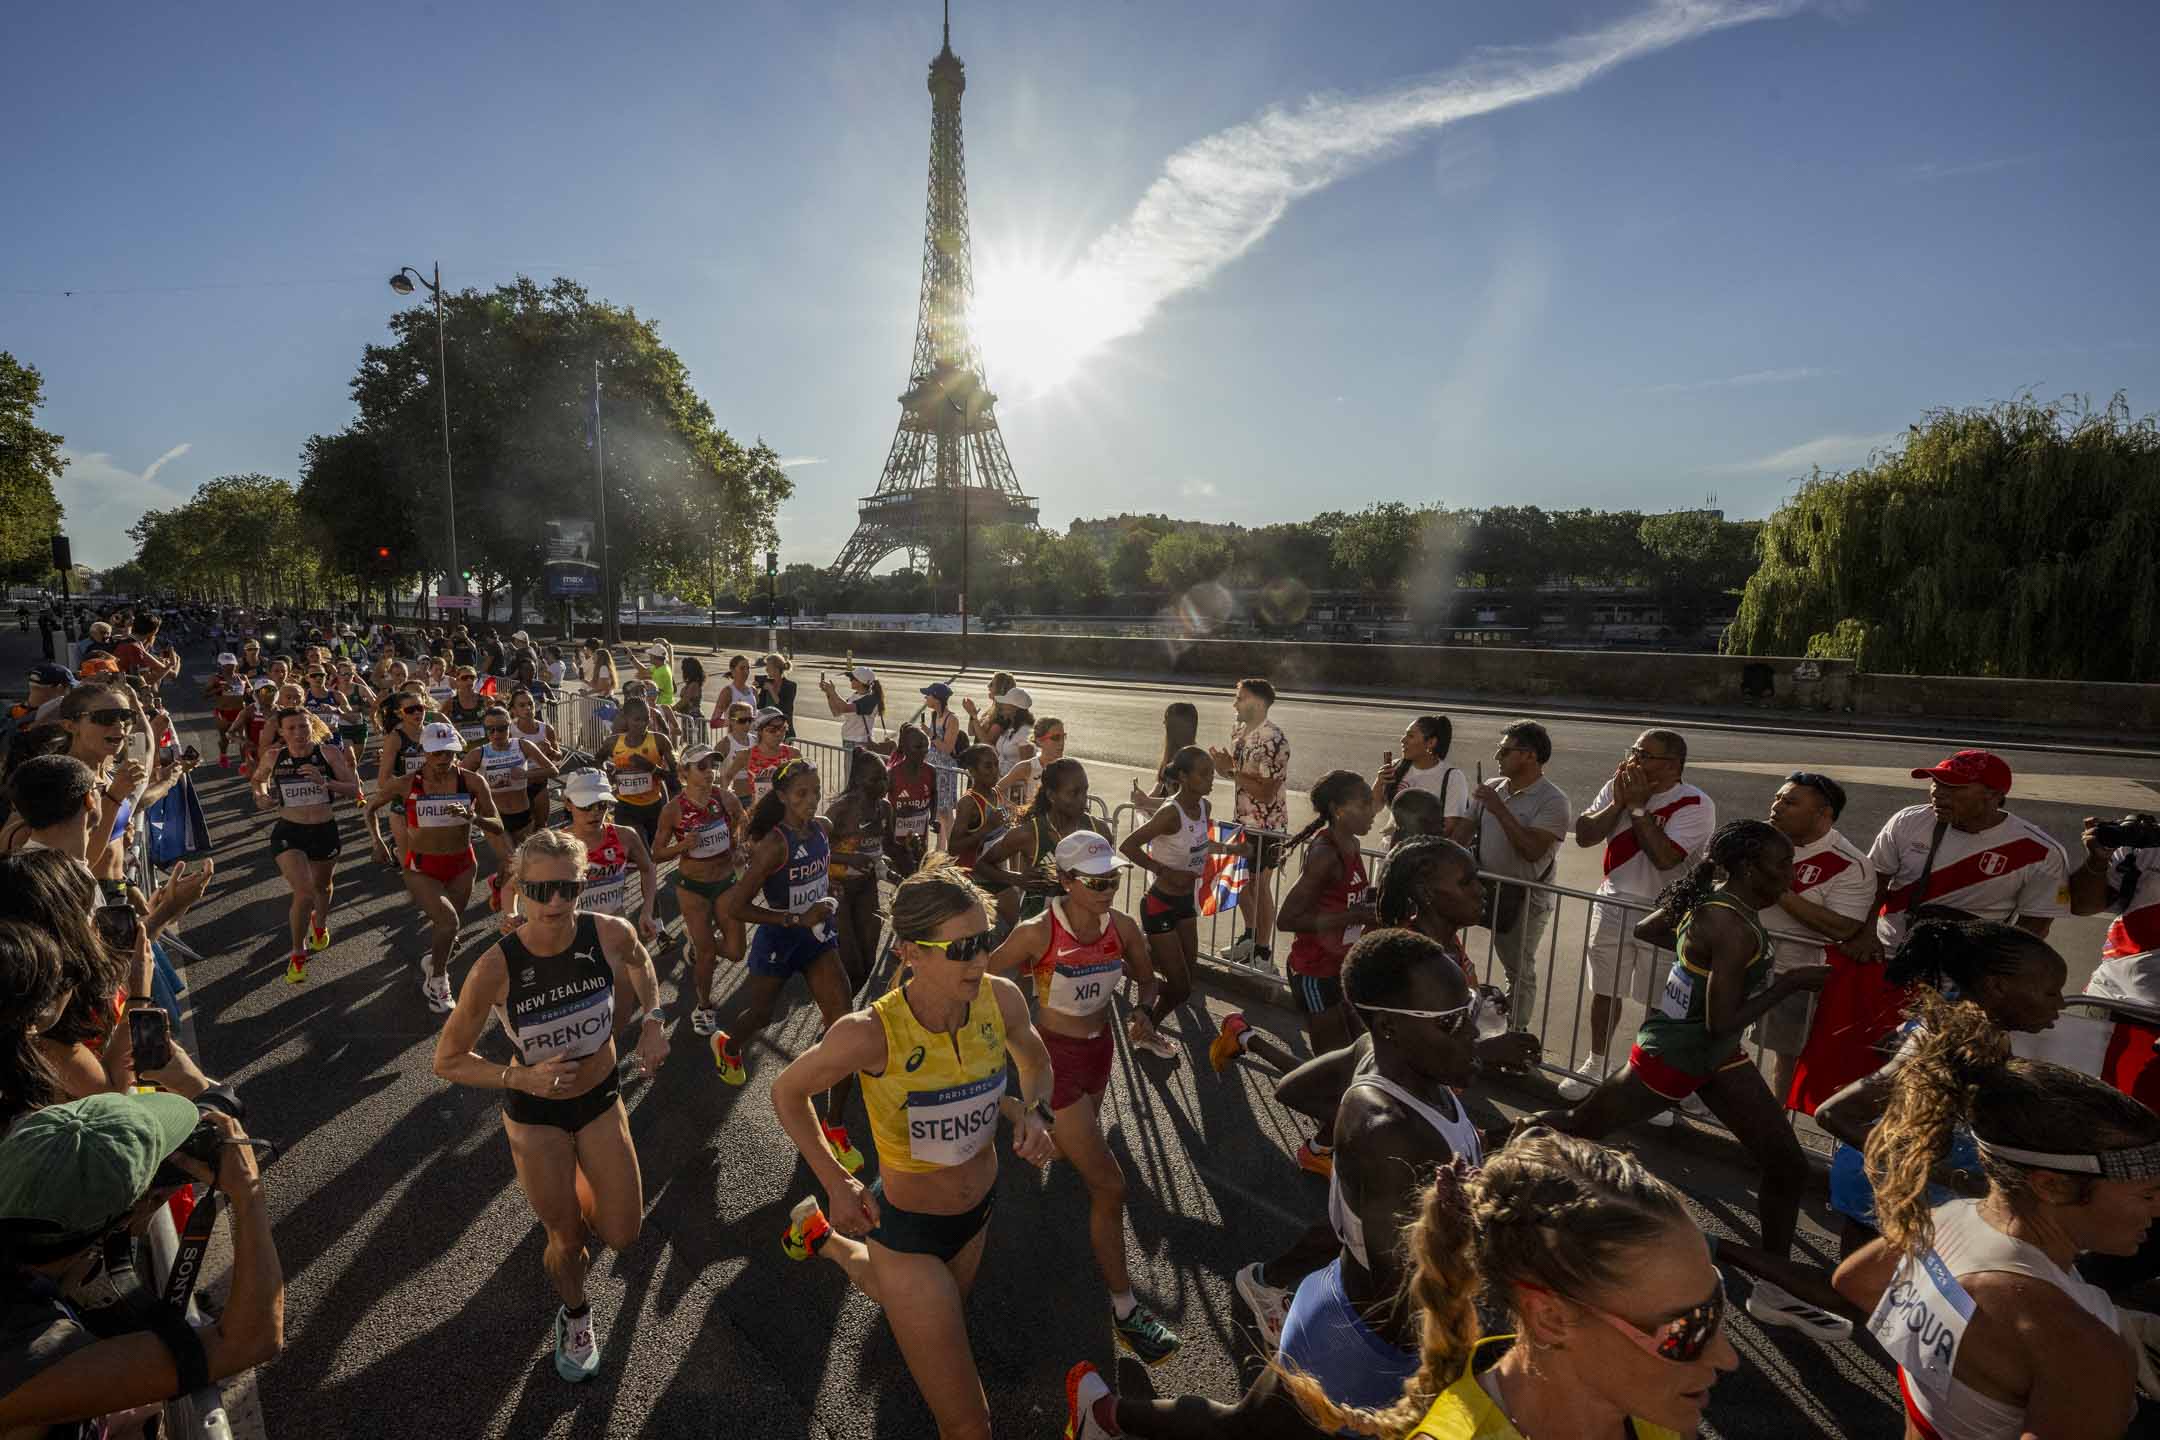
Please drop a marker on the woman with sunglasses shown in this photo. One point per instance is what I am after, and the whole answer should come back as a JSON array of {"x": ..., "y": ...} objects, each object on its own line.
[
  {"x": 466, "y": 704},
  {"x": 403, "y": 716},
  {"x": 299, "y": 777},
  {"x": 786, "y": 891},
  {"x": 318, "y": 700},
  {"x": 912, "y": 785},
  {"x": 1399, "y": 1122},
  {"x": 1079, "y": 951},
  {"x": 933, "y": 1054},
  {"x": 1172, "y": 845},
  {"x": 697, "y": 831},
  {"x": 507, "y": 762},
  {"x": 768, "y": 751},
  {"x": 1023, "y": 860},
  {"x": 442, "y": 804},
  {"x": 554, "y": 983},
  {"x": 356, "y": 702},
  {"x": 97, "y": 721},
  {"x": 639, "y": 764},
  {"x": 611, "y": 852},
  {"x": 860, "y": 822}
]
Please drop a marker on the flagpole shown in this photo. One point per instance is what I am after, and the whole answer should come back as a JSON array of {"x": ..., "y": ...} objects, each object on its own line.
[{"x": 610, "y": 625}]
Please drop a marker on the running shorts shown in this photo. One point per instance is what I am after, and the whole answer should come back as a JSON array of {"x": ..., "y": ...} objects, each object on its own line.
[
  {"x": 914, "y": 1233},
  {"x": 1661, "y": 1077},
  {"x": 1325, "y": 1337},
  {"x": 1079, "y": 1067},
  {"x": 444, "y": 868},
  {"x": 779, "y": 952},
  {"x": 708, "y": 889},
  {"x": 318, "y": 841},
  {"x": 570, "y": 1115},
  {"x": 1160, "y": 913},
  {"x": 1315, "y": 994}
]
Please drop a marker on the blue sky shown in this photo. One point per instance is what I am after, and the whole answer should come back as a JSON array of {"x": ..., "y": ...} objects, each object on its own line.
[{"x": 1716, "y": 262}]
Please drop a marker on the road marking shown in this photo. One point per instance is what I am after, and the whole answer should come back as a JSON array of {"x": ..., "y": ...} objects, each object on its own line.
[{"x": 2100, "y": 793}]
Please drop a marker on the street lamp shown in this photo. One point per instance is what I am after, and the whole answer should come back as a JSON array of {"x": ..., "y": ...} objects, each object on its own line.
[{"x": 402, "y": 283}]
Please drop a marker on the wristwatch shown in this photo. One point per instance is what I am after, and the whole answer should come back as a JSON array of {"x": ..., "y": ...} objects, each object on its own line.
[
  {"x": 1044, "y": 1114},
  {"x": 1636, "y": 812}
]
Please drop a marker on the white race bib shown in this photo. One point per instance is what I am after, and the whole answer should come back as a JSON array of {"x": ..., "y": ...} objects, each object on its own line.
[
  {"x": 504, "y": 771},
  {"x": 1921, "y": 1321},
  {"x": 438, "y": 811},
  {"x": 1679, "y": 992},
  {"x": 805, "y": 893},
  {"x": 914, "y": 824},
  {"x": 712, "y": 839},
  {"x": 633, "y": 782},
  {"x": 1083, "y": 990},
  {"x": 951, "y": 1126},
  {"x": 605, "y": 894},
  {"x": 295, "y": 791}
]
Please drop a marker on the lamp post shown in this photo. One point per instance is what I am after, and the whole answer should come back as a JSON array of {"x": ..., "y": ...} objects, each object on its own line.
[{"x": 403, "y": 282}]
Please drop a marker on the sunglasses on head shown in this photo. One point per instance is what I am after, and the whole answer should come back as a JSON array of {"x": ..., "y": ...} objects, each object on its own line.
[
  {"x": 962, "y": 950},
  {"x": 1681, "y": 1339},
  {"x": 542, "y": 891},
  {"x": 1100, "y": 884},
  {"x": 1449, "y": 1021}
]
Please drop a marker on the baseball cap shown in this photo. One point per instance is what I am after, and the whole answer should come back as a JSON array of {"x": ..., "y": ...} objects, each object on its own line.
[
  {"x": 1089, "y": 854},
  {"x": 76, "y": 1168},
  {"x": 45, "y": 672},
  {"x": 766, "y": 717},
  {"x": 98, "y": 663},
  {"x": 1970, "y": 767},
  {"x": 696, "y": 753},
  {"x": 1018, "y": 698},
  {"x": 938, "y": 690},
  {"x": 521, "y": 637},
  {"x": 656, "y": 652},
  {"x": 865, "y": 674},
  {"x": 226, "y": 657},
  {"x": 439, "y": 737},
  {"x": 587, "y": 787}
]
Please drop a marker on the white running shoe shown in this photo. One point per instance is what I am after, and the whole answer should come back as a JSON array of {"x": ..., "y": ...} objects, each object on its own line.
[
  {"x": 1587, "y": 1077},
  {"x": 1270, "y": 1306},
  {"x": 1145, "y": 1036},
  {"x": 1241, "y": 949},
  {"x": 704, "y": 1020},
  {"x": 435, "y": 989},
  {"x": 1775, "y": 1305},
  {"x": 1664, "y": 1119},
  {"x": 577, "y": 1349}
]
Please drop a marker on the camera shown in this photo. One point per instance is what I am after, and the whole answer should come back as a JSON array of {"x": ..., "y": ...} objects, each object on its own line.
[
  {"x": 203, "y": 1141},
  {"x": 2132, "y": 832}
]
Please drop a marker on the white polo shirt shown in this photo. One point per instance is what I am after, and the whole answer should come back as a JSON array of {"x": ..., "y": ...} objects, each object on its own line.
[
  {"x": 2011, "y": 869},
  {"x": 1830, "y": 872}
]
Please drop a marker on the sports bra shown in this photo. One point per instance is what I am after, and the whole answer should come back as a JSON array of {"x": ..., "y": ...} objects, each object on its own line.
[
  {"x": 1077, "y": 977},
  {"x": 635, "y": 785},
  {"x": 935, "y": 1104},
  {"x": 856, "y": 857},
  {"x": 409, "y": 756},
  {"x": 1186, "y": 847},
  {"x": 760, "y": 767},
  {"x": 559, "y": 1007},
  {"x": 708, "y": 822},
  {"x": 1460, "y": 1133}
]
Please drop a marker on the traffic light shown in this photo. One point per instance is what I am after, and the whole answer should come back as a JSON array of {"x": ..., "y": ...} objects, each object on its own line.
[
  {"x": 772, "y": 562},
  {"x": 382, "y": 560}
]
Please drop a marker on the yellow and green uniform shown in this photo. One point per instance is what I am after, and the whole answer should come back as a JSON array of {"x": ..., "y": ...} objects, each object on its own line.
[
  {"x": 634, "y": 785},
  {"x": 1464, "y": 1411},
  {"x": 935, "y": 1104},
  {"x": 1677, "y": 1029}
]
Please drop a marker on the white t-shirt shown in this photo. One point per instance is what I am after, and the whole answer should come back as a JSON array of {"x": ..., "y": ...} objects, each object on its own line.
[
  {"x": 2137, "y": 929},
  {"x": 1686, "y": 815},
  {"x": 1444, "y": 783},
  {"x": 2013, "y": 868},
  {"x": 1831, "y": 873}
]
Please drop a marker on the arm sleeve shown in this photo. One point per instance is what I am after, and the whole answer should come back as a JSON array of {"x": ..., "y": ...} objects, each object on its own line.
[
  {"x": 1852, "y": 894},
  {"x": 1882, "y": 856},
  {"x": 1552, "y": 814}
]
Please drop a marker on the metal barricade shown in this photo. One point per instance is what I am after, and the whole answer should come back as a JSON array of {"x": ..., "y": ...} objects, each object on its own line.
[{"x": 199, "y": 1414}]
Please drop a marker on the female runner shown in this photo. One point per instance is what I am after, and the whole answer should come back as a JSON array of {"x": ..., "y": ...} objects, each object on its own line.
[
  {"x": 442, "y": 804},
  {"x": 1079, "y": 950},
  {"x": 297, "y": 777},
  {"x": 640, "y": 763},
  {"x": 697, "y": 832},
  {"x": 610, "y": 853},
  {"x": 785, "y": 890},
  {"x": 1328, "y": 908},
  {"x": 861, "y": 822},
  {"x": 554, "y": 982},
  {"x": 932, "y": 1053},
  {"x": 507, "y": 763},
  {"x": 1025, "y": 856},
  {"x": 912, "y": 783},
  {"x": 768, "y": 751},
  {"x": 1172, "y": 846},
  {"x": 403, "y": 719}
]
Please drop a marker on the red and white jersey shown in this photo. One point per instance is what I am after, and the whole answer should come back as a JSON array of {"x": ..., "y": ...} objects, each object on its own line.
[
  {"x": 2013, "y": 868},
  {"x": 1831, "y": 873},
  {"x": 2137, "y": 929},
  {"x": 1685, "y": 814}
]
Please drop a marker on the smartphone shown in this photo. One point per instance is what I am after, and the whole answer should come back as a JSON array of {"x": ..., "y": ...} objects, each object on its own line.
[
  {"x": 118, "y": 926},
  {"x": 150, "y": 1029}
]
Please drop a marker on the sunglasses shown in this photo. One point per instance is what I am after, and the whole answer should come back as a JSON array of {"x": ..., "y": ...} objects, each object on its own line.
[
  {"x": 542, "y": 891},
  {"x": 1641, "y": 754},
  {"x": 411, "y": 710},
  {"x": 1100, "y": 884},
  {"x": 496, "y": 729},
  {"x": 1681, "y": 1339},
  {"x": 962, "y": 950},
  {"x": 115, "y": 716},
  {"x": 1449, "y": 1021}
]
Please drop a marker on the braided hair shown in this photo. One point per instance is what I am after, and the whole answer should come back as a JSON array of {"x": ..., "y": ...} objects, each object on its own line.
[
  {"x": 1954, "y": 956},
  {"x": 1549, "y": 1210},
  {"x": 1407, "y": 866},
  {"x": 1058, "y": 772},
  {"x": 1736, "y": 845},
  {"x": 1329, "y": 794}
]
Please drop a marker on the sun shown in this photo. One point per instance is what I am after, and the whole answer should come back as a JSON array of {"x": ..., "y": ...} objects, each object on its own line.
[{"x": 1037, "y": 325}]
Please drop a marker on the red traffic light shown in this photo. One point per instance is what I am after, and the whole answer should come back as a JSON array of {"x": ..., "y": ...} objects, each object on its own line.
[{"x": 382, "y": 552}]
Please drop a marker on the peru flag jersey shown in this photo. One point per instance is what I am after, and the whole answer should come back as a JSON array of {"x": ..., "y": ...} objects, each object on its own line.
[
  {"x": 1832, "y": 873},
  {"x": 2137, "y": 929},
  {"x": 1684, "y": 813},
  {"x": 2010, "y": 870}
]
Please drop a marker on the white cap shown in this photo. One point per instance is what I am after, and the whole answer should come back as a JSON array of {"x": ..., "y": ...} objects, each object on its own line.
[
  {"x": 865, "y": 674},
  {"x": 226, "y": 657},
  {"x": 1018, "y": 698},
  {"x": 521, "y": 635},
  {"x": 1088, "y": 853},
  {"x": 656, "y": 652},
  {"x": 765, "y": 717},
  {"x": 696, "y": 753},
  {"x": 439, "y": 737},
  {"x": 587, "y": 787}
]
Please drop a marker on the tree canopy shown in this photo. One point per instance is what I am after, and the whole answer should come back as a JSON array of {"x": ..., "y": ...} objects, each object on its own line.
[
  {"x": 241, "y": 536},
  {"x": 30, "y": 461},
  {"x": 2015, "y": 540}
]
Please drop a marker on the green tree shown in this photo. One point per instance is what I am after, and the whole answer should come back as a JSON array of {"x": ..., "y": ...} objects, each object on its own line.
[
  {"x": 1377, "y": 546},
  {"x": 30, "y": 461},
  {"x": 1181, "y": 560},
  {"x": 242, "y": 537},
  {"x": 2015, "y": 540}
]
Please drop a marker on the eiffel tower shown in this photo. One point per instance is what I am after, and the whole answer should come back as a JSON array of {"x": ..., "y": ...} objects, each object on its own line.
[{"x": 948, "y": 468}]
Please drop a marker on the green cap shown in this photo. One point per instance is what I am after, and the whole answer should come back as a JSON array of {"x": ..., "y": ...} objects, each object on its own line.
[{"x": 82, "y": 1165}]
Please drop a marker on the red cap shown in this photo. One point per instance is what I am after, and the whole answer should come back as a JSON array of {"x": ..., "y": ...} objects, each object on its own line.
[{"x": 1970, "y": 767}]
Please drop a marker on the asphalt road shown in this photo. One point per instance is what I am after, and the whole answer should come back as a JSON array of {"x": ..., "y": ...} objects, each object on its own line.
[{"x": 417, "y": 1303}]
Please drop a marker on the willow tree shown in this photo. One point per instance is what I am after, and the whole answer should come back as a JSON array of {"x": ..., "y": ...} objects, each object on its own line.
[{"x": 2018, "y": 540}]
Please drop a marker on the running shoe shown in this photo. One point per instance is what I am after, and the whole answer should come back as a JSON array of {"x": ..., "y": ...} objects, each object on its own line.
[
  {"x": 836, "y": 1139},
  {"x": 1316, "y": 1159},
  {"x": 1241, "y": 949},
  {"x": 807, "y": 1229},
  {"x": 295, "y": 968},
  {"x": 435, "y": 989},
  {"x": 1229, "y": 1041},
  {"x": 704, "y": 1020},
  {"x": 1270, "y": 1306},
  {"x": 1090, "y": 1408},
  {"x": 1664, "y": 1119},
  {"x": 1143, "y": 1035},
  {"x": 1145, "y": 1335},
  {"x": 1775, "y": 1305},
  {"x": 1586, "y": 1078},
  {"x": 319, "y": 938},
  {"x": 727, "y": 1061},
  {"x": 577, "y": 1349}
]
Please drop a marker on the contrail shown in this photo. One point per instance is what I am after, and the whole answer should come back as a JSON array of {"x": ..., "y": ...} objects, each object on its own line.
[
  {"x": 1219, "y": 196},
  {"x": 158, "y": 464}
]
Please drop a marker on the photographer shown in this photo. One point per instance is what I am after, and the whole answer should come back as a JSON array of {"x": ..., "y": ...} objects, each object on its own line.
[
  {"x": 2122, "y": 871},
  {"x": 69, "y": 1176}
]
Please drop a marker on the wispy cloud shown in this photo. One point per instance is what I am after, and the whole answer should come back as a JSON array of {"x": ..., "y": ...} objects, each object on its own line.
[
  {"x": 103, "y": 498},
  {"x": 1752, "y": 377},
  {"x": 158, "y": 464},
  {"x": 1219, "y": 197},
  {"x": 1827, "y": 451},
  {"x": 796, "y": 462}
]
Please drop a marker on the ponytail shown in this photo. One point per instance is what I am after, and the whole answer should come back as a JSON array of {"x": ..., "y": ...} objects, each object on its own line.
[
  {"x": 1439, "y": 732},
  {"x": 1329, "y": 794}
]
